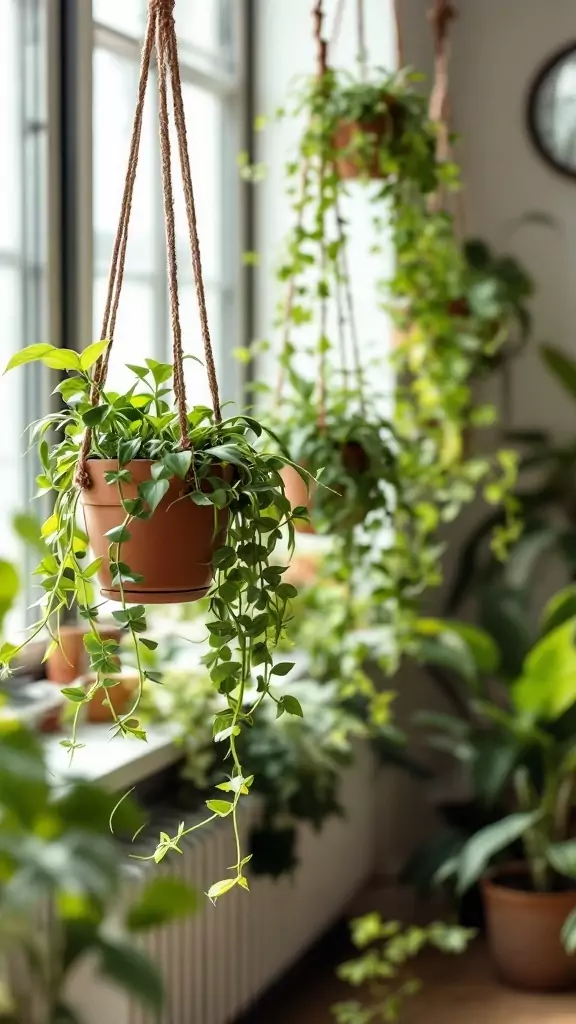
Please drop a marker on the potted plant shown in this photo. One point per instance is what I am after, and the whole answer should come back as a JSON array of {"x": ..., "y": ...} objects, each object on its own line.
[
  {"x": 72, "y": 866},
  {"x": 479, "y": 308},
  {"x": 517, "y": 743},
  {"x": 147, "y": 473},
  {"x": 373, "y": 128},
  {"x": 383, "y": 966}
]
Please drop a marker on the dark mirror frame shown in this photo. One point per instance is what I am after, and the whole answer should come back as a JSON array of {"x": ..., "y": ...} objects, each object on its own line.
[{"x": 532, "y": 109}]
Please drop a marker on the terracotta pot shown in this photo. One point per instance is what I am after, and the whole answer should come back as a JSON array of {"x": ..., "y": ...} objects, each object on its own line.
[
  {"x": 299, "y": 494},
  {"x": 383, "y": 126},
  {"x": 524, "y": 930},
  {"x": 172, "y": 550},
  {"x": 354, "y": 460},
  {"x": 70, "y": 660},
  {"x": 121, "y": 697}
]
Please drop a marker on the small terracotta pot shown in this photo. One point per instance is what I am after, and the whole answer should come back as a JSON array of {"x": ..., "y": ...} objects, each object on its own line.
[
  {"x": 383, "y": 126},
  {"x": 172, "y": 550},
  {"x": 299, "y": 494},
  {"x": 121, "y": 697},
  {"x": 70, "y": 659},
  {"x": 354, "y": 460},
  {"x": 524, "y": 930}
]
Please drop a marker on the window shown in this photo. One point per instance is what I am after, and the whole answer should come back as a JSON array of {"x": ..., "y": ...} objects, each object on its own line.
[
  {"x": 208, "y": 38},
  {"x": 65, "y": 134},
  {"x": 23, "y": 177}
]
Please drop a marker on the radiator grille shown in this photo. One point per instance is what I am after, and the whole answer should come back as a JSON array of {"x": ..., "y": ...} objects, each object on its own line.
[{"x": 216, "y": 964}]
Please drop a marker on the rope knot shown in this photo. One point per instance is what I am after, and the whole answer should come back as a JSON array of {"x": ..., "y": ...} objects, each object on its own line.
[
  {"x": 163, "y": 7},
  {"x": 440, "y": 18}
]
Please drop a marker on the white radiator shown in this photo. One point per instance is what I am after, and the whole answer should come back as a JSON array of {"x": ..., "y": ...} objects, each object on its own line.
[{"x": 216, "y": 964}]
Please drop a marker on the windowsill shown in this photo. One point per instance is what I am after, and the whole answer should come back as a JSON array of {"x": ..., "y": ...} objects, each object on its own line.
[{"x": 114, "y": 762}]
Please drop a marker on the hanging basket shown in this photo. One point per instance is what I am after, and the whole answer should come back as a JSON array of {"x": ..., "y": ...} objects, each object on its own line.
[
  {"x": 354, "y": 462},
  {"x": 169, "y": 553},
  {"x": 358, "y": 143},
  {"x": 172, "y": 551}
]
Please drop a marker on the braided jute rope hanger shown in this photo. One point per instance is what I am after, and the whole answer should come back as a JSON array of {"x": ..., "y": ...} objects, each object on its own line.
[{"x": 161, "y": 35}]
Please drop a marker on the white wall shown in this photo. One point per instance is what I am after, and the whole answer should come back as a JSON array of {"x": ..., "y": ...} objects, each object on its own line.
[{"x": 498, "y": 45}]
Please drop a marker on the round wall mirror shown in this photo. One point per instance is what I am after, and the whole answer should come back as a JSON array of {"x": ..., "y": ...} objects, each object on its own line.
[{"x": 552, "y": 111}]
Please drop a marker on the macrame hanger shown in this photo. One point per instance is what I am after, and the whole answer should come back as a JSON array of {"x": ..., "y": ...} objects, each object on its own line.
[
  {"x": 441, "y": 17},
  {"x": 362, "y": 49},
  {"x": 160, "y": 30},
  {"x": 321, "y": 70},
  {"x": 400, "y": 56}
]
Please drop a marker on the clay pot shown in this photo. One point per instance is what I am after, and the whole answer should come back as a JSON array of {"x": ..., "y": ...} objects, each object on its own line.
[
  {"x": 172, "y": 550},
  {"x": 385, "y": 125},
  {"x": 524, "y": 930},
  {"x": 121, "y": 697},
  {"x": 70, "y": 660},
  {"x": 354, "y": 460},
  {"x": 298, "y": 493}
]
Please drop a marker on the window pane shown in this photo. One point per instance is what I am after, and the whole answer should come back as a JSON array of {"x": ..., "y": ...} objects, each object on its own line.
[
  {"x": 134, "y": 336},
  {"x": 197, "y": 390},
  {"x": 126, "y": 16},
  {"x": 10, "y": 128},
  {"x": 204, "y": 129},
  {"x": 115, "y": 90},
  {"x": 197, "y": 23}
]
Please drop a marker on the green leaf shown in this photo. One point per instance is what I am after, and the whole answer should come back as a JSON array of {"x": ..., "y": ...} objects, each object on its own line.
[
  {"x": 286, "y": 591},
  {"x": 152, "y": 491},
  {"x": 178, "y": 463},
  {"x": 128, "y": 450},
  {"x": 55, "y": 358},
  {"x": 291, "y": 705},
  {"x": 93, "y": 417},
  {"x": 559, "y": 609},
  {"x": 92, "y": 354},
  {"x": 569, "y": 933},
  {"x": 547, "y": 686},
  {"x": 282, "y": 668},
  {"x": 482, "y": 847},
  {"x": 162, "y": 900},
  {"x": 118, "y": 534},
  {"x": 446, "y": 649},
  {"x": 150, "y": 644},
  {"x": 93, "y": 568},
  {"x": 220, "y": 888},
  {"x": 74, "y": 693},
  {"x": 561, "y": 366},
  {"x": 126, "y": 965},
  {"x": 562, "y": 857},
  {"x": 226, "y": 453},
  {"x": 220, "y": 807}
]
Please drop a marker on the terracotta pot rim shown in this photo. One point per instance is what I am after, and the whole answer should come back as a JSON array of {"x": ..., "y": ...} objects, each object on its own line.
[{"x": 491, "y": 887}]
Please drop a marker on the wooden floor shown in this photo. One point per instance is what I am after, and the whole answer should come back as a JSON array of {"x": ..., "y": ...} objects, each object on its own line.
[{"x": 458, "y": 990}]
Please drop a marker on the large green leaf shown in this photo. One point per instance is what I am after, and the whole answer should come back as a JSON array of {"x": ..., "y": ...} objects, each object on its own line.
[
  {"x": 162, "y": 900},
  {"x": 561, "y": 366},
  {"x": 127, "y": 966},
  {"x": 482, "y": 646},
  {"x": 504, "y": 615},
  {"x": 440, "y": 645},
  {"x": 9, "y": 586},
  {"x": 527, "y": 552},
  {"x": 496, "y": 757},
  {"x": 559, "y": 609},
  {"x": 562, "y": 857},
  {"x": 547, "y": 686},
  {"x": 481, "y": 848}
]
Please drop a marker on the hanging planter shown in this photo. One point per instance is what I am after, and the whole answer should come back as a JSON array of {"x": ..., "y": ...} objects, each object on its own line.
[
  {"x": 349, "y": 485},
  {"x": 179, "y": 503},
  {"x": 170, "y": 554}
]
